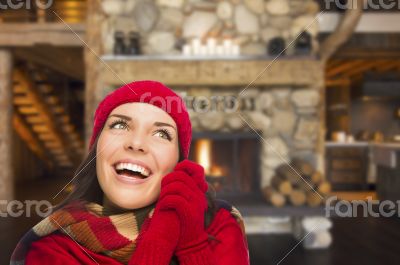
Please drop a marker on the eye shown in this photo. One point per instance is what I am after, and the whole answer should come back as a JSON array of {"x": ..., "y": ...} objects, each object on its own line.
[
  {"x": 164, "y": 133},
  {"x": 118, "y": 124}
]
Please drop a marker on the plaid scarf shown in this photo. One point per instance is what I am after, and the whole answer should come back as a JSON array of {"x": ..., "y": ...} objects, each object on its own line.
[{"x": 100, "y": 230}]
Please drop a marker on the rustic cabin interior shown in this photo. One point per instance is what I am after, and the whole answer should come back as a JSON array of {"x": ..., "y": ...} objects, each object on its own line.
[{"x": 317, "y": 119}]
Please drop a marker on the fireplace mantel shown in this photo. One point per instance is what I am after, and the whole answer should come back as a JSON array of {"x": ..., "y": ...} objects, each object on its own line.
[{"x": 177, "y": 70}]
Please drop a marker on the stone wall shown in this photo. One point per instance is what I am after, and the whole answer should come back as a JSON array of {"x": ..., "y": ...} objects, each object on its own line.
[
  {"x": 284, "y": 104},
  {"x": 287, "y": 120},
  {"x": 166, "y": 25}
]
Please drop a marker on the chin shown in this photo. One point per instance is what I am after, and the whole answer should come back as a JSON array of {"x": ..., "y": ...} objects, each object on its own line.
[{"x": 131, "y": 202}]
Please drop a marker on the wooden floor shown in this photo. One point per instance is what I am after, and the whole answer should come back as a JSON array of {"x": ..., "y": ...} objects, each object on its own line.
[
  {"x": 357, "y": 241},
  {"x": 366, "y": 241}
]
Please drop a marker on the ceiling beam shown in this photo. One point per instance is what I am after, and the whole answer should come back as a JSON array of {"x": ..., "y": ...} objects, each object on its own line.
[
  {"x": 362, "y": 68},
  {"x": 343, "y": 82},
  {"x": 30, "y": 34},
  {"x": 66, "y": 61},
  {"x": 367, "y": 53},
  {"x": 347, "y": 65},
  {"x": 393, "y": 65}
]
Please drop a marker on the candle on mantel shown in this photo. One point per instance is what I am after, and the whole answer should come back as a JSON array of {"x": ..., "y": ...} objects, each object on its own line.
[
  {"x": 211, "y": 45},
  {"x": 187, "y": 49},
  {"x": 236, "y": 49},
  {"x": 219, "y": 50},
  {"x": 203, "y": 50},
  {"x": 227, "y": 47},
  {"x": 196, "y": 44}
]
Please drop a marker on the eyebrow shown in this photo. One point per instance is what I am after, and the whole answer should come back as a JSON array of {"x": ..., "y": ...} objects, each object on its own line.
[{"x": 157, "y": 123}]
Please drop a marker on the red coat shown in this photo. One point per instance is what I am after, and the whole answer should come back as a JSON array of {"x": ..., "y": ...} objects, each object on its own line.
[{"x": 60, "y": 249}]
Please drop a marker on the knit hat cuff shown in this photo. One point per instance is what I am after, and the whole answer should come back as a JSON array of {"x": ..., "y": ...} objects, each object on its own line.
[{"x": 151, "y": 92}]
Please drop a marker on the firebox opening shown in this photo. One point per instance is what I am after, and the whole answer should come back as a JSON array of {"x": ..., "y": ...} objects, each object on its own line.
[{"x": 231, "y": 161}]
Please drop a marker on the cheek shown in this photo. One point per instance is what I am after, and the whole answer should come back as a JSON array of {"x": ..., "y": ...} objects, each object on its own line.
[
  {"x": 167, "y": 158},
  {"x": 104, "y": 153}
]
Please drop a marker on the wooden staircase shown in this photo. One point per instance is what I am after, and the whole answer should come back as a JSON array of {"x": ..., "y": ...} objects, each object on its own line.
[{"x": 42, "y": 121}]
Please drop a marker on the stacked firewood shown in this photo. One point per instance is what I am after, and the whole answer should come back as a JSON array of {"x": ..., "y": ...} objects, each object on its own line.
[{"x": 297, "y": 183}]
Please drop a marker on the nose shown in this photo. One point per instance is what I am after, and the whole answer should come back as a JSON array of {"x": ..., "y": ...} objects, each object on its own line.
[{"x": 136, "y": 141}]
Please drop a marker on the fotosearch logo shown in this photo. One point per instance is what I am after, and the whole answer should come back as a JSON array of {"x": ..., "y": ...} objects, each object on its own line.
[
  {"x": 367, "y": 4},
  {"x": 199, "y": 104},
  {"x": 17, "y": 208},
  {"x": 368, "y": 208},
  {"x": 25, "y": 4}
]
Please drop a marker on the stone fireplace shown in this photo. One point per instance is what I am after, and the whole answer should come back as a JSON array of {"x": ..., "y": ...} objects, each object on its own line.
[
  {"x": 277, "y": 118},
  {"x": 280, "y": 111}
]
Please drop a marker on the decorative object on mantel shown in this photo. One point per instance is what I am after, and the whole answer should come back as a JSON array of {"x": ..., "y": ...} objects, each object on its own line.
[
  {"x": 303, "y": 45},
  {"x": 211, "y": 47},
  {"x": 276, "y": 46},
  {"x": 134, "y": 43},
  {"x": 250, "y": 24},
  {"x": 119, "y": 44}
]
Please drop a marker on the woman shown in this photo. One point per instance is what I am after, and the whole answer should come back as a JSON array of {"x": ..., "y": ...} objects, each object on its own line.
[{"x": 137, "y": 199}]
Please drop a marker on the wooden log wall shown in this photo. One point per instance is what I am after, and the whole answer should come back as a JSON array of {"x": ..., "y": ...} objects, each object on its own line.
[
  {"x": 92, "y": 64},
  {"x": 6, "y": 174}
]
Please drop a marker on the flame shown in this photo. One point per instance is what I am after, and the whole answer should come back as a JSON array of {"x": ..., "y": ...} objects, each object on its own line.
[{"x": 203, "y": 154}]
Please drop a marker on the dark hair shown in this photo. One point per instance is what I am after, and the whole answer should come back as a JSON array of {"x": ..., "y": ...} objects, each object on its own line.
[{"x": 86, "y": 186}]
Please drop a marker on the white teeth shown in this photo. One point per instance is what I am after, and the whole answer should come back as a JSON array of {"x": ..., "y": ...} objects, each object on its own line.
[{"x": 133, "y": 167}]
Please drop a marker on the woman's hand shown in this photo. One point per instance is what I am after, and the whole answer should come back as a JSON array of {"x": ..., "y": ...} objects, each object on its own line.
[
  {"x": 183, "y": 191},
  {"x": 177, "y": 224}
]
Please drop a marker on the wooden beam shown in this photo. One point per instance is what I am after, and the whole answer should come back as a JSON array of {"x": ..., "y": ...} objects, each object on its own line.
[
  {"x": 222, "y": 72},
  {"x": 393, "y": 65},
  {"x": 346, "y": 66},
  {"x": 29, "y": 34},
  {"x": 367, "y": 53},
  {"x": 344, "y": 29},
  {"x": 93, "y": 84},
  {"x": 361, "y": 69},
  {"x": 67, "y": 61},
  {"x": 338, "y": 82},
  {"x": 333, "y": 63},
  {"x": 6, "y": 172}
]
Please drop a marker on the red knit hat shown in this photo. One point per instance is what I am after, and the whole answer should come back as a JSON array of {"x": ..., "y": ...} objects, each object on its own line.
[{"x": 151, "y": 92}]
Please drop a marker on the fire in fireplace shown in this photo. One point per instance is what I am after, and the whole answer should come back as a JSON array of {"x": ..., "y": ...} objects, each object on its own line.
[{"x": 231, "y": 161}]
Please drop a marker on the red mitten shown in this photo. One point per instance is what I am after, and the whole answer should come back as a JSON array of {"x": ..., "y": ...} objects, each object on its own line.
[
  {"x": 183, "y": 191},
  {"x": 178, "y": 221},
  {"x": 157, "y": 240}
]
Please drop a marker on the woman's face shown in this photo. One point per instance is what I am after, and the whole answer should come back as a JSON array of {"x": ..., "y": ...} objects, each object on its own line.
[{"x": 136, "y": 137}]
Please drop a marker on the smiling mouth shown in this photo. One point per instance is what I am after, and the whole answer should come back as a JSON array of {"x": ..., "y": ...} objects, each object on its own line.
[
  {"x": 130, "y": 173},
  {"x": 133, "y": 171}
]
